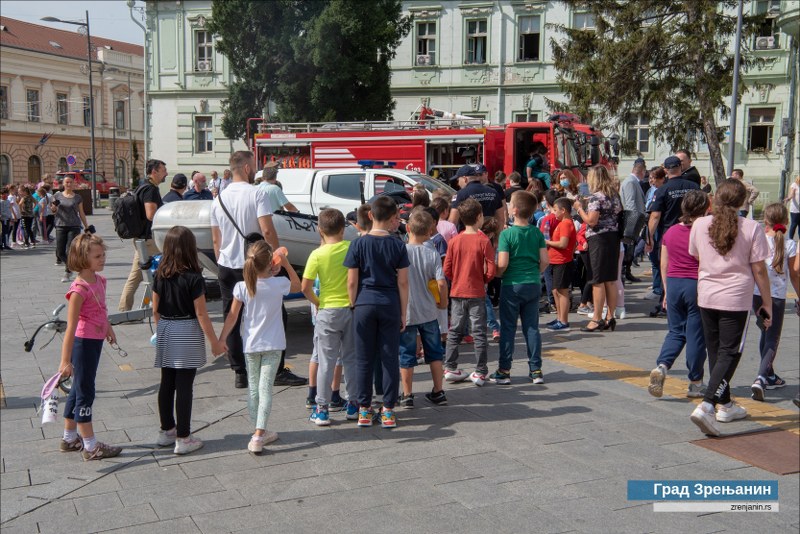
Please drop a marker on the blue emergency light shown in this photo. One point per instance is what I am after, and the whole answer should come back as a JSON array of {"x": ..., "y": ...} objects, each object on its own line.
[{"x": 369, "y": 163}]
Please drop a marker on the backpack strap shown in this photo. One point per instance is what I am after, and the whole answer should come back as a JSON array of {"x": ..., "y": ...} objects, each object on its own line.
[{"x": 227, "y": 213}]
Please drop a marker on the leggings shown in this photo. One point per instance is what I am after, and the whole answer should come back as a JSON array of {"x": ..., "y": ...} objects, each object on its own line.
[
  {"x": 794, "y": 223},
  {"x": 723, "y": 332},
  {"x": 64, "y": 237},
  {"x": 261, "y": 370},
  {"x": 772, "y": 335},
  {"x": 27, "y": 230},
  {"x": 175, "y": 398},
  {"x": 85, "y": 359}
]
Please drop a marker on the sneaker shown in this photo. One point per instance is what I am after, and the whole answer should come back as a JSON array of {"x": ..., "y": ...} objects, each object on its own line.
[
  {"x": 437, "y": 398},
  {"x": 269, "y": 437},
  {"x": 620, "y": 313},
  {"x": 455, "y": 375},
  {"x": 337, "y": 406},
  {"x": 59, "y": 263},
  {"x": 256, "y": 444},
  {"x": 285, "y": 377},
  {"x": 585, "y": 310},
  {"x": 552, "y": 323},
  {"x": 469, "y": 340},
  {"x": 696, "y": 391},
  {"x": 67, "y": 278},
  {"x": 311, "y": 403},
  {"x": 100, "y": 452},
  {"x": 167, "y": 437},
  {"x": 187, "y": 445},
  {"x": 757, "y": 390},
  {"x": 240, "y": 381},
  {"x": 499, "y": 377},
  {"x": 71, "y": 446},
  {"x": 388, "y": 420},
  {"x": 406, "y": 401},
  {"x": 705, "y": 421},
  {"x": 559, "y": 327},
  {"x": 732, "y": 413},
  {"x": 364, "y": 416},
  {"x": 652, "y": 295},
  {"x": 477, "y": 378},
  {"x": 320, "y": 416},
  {"x": 657, "y": 377},
  {"x": 351, "y": 411},
  {"x": 537, "y": 377},
  {"x": 495, "y": 335},
  {"x": 775, "y": 382}
]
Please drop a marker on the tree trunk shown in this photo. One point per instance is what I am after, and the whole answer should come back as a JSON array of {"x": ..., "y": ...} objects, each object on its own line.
[{"x": 714, "y": 150}]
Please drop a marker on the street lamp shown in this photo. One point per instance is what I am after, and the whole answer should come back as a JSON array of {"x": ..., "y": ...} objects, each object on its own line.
[
  {"x": 130, "y": 124},
  {"x": 95, "y": 199}
]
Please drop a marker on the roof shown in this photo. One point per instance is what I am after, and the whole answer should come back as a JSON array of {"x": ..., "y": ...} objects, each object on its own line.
[{"x": 27, "y": 36}]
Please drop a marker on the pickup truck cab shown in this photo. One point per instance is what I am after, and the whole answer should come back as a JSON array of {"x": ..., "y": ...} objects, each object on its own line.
[{"x": 312, "y": 190}]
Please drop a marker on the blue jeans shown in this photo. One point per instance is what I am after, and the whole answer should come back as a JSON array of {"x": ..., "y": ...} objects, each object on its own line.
[
  {"x": 685, "y": 328},
  {"x": 85, "y": 359},
  {"x": 520, "y": 301},
  {"x": 548, "y": 284},
  {"x": 491, "y": 320},
  {"x": 377, "y": 341},
  {"x": 655, "y": 259},
  {"x": 431, "y": 343}
]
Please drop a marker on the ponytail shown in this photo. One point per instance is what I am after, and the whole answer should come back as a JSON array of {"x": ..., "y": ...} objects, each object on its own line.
[
  {"x": 725, "y": 224},
  {"x": 258, "y": 259},
  {"x": 776, "y": 216}
]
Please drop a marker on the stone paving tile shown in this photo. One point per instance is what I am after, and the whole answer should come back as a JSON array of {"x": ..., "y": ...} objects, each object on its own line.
[
  {"x": 104, "y": 502},
  {"x": 183, "y": 525},
  {"x": 163, "y": 492},
  {"x": 153, "y": 476},
  {"x": 268, "y": 515},
  {"x": 15, "y": 479},
  {"x": 183, "y": 506},
  {"x": 103, "y": 521}
]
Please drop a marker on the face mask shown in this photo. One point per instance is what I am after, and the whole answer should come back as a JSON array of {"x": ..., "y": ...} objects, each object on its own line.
[{"x": 564, "y": 183}]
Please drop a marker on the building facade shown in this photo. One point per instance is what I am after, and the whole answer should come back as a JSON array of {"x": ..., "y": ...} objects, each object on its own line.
[{"x": 44, "y": 103}]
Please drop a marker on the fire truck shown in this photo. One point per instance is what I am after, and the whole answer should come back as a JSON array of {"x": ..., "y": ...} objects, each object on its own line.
[{"x": 433, "y": 142}]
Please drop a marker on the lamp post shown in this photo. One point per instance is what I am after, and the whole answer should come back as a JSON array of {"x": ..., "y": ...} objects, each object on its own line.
[
  {"x": 130, "y": 124},
  {"x": 95, "y": 199}
]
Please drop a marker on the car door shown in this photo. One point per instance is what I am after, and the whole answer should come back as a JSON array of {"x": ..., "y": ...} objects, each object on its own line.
[{"x": 341, "y": 189}]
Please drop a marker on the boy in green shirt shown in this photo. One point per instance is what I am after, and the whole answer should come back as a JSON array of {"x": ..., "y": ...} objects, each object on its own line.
[{"x": 522, "y": 256}]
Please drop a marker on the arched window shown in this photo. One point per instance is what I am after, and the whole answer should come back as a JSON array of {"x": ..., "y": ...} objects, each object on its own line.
[
  {"x": 5, "y": 170},
  {"x": 119, "y": 171},
  {"x": 34, "y": 169},
  {"x": 87, "y": 164},
  {"x": 62, "y": 164}
]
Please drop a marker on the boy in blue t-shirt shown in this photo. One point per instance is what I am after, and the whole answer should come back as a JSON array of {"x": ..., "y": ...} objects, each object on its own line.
[{"x": 377, "y": 284}]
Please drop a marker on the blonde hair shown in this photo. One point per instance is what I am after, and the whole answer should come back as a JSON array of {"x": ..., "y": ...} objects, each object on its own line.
[
  {"x": 600, "y": 181},
  {"x": 79, "y": 250},
  {"x": 257, "y": 260},
  {"x": 777, "y": 214}
]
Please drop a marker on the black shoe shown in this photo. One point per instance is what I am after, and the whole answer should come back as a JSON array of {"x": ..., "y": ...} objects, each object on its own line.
[
  {"x": 337, "y": 406},
  {"x": 437, "y": 398},
  {"x": 287, "y": 378},
  {"x": 658, "y": 313},
  {"x": 241, "y": 380},
  {"x": 635, "y": 262},
  {"x": 630, "y": 278},
  {"x": 406, "y": 401}
]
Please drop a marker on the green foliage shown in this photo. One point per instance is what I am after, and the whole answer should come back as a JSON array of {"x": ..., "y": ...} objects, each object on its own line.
[
  {"x": 315, "y": 60},
  {"x": 135, "y": 176},
  {"x": 670, "y": 61}
]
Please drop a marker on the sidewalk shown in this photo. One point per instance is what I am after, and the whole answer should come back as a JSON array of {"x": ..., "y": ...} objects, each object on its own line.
[{"x": 519, "y": 458}]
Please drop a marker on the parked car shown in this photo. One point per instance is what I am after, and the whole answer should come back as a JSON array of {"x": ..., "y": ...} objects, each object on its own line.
[{"x": 83, "y": 180}]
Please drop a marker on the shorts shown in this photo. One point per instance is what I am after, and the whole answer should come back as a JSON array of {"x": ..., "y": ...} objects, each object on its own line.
[
  {"x": 562, "y": 275},
  {"x": 431, "y": 344},
  {"x": 85, "y": 359}
]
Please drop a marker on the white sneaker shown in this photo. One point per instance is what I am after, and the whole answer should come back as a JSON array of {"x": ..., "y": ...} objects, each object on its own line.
[
  {"x": 187, "y": 445},
  {"x": 269, "y": 437},
  {"x": 477, "y": 378},
  {"x": 652, "y": 296},
  {"x": 167, "y": 437},
  {"x": 256, "y": 445},
  {"x": 619, "y": 313},
  {"x": 67, "y": 278},
  {"x": 705, "y": 421},
  {"x": 730, "y": 413},
  {"x": 657, "y": 377},
  {"x": 455, "y": 375}
]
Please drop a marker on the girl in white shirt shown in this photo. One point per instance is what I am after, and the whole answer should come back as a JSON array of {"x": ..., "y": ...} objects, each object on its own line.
[{"x": 261, "y": 295}]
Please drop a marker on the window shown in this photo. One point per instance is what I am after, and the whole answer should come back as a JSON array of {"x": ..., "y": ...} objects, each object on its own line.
[
  {"x": 639, "y": 134},
  {"x": 62, "y": 108},
  {"x": 32, "y": 96},
  {"x": 87, "y": 164},
  {"x": 34, "y": 169},
  {"x": 529, "y": 39},
  {"x": 523, "y": 117},
  {"x": 426, "y": 43},
  {"x": 343, "y": 185},
  {"x": 62, "y": 164},
  {"x": 479, "y": 115},
  {"x": 119, "y": 114},
  {"x": 3, "y": 102},
  {"x": 759, "y": 129},
  {"x": 204, "y": 134},
  {"x": 583, "y": 21},
  {"x": 5, "y": 170},
  {"x": 476, "y": 41},
  {"x": 87, "y": 111},
  {"x": 119, "y": 170},
  {"x": 204, "y": 50}
]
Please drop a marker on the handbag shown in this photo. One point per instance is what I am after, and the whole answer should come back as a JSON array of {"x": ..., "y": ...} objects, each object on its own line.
[
  {"x": 249, "y": 239},
  {"x": 631, "y": 227}
]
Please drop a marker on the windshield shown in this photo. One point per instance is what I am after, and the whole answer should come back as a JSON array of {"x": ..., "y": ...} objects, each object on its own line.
[
  {"x": 430, "y": 184},
  {"x": 566, "y": 148}
]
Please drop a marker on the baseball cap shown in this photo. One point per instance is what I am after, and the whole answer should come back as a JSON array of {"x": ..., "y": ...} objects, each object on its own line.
[
  {"x": 638, "y": 161},
  {"x": 480, "y": 168},
  {"x": 671, "y": 162},
  {"x": 271, "y": 164},
  {"x": 466, "y": 170},
  {"x": 179, "y": 181}
]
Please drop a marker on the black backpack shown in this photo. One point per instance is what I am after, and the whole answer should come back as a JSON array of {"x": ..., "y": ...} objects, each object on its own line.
[{"x": 128, "y": 216}]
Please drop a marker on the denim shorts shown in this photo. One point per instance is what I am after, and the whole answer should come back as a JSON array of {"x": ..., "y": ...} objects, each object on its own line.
[{"x": 431, "y": 344}]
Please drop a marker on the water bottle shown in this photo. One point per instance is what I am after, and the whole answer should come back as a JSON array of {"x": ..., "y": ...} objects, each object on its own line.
[
  {"x": 154, "y": 340},
  {"x": 546, "y": 229}
]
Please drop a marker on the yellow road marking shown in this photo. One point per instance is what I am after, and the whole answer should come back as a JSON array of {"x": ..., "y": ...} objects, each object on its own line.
[
  {"x": 2, "y": 395},
  {"x": 126, "y": 367},
  {"x": 762, "y": 412}
]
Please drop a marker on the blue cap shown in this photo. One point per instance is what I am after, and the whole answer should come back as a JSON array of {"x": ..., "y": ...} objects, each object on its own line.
[
  {"x": 480, "y": 168},
  {"x": 671, "y": 162},
  {"x": 466, "y": 170}
]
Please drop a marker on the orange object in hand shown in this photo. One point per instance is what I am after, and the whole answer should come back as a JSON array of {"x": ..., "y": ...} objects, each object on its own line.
[{"x": 276, "y": 256}]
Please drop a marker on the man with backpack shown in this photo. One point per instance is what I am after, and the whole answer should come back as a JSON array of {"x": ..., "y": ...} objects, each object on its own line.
[{"x": 148, "y": 199}]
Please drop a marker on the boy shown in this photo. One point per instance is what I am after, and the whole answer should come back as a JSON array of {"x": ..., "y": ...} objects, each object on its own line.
[
  {"x": 560, "y": 251},
  {"x": 547, "y": 225},
  {"x": 377, "y": 286},
  {"x": 333, "y": 331},
  {"x": 421, "y": 317},
  {"x": 521, "y": 258},
  {"x": 470, "y": 265},
  {"x": 514, "y": 180}
]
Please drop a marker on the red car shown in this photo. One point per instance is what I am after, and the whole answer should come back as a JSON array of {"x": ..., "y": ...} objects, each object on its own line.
[{"x": 83, "y": 180}]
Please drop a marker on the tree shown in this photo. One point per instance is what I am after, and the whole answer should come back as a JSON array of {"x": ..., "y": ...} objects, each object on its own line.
[
  {"x": 134, "y": 168},
  {"x": 316, "y": 61},
  {"x": 669, "y": 61}
]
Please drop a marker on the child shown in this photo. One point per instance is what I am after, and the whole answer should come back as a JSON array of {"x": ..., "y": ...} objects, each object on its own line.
[
  {"x": 470, "y": 265},
  {"x": 27, "y": 205},
  {"x": 444, "y": 227},
  {"x": 584, "y": 267},
  {"x": 421, "y": 317},
  {"x": 260, "y": 297},
  {"x": 333, "y": 330},
  {"x": 547, "y": 225},
  {"x": 521, "y": 259},
  {"x": 87, "y": 327},
  {"x": 377, "y": 285},
  {"x": 560, "y": 251},
  {"x": 179, "y": 310},
  {"x": 489, "y": 229},
  {"x": 6, "y": 216},
  {"x": 515, "y": 184},
  {"x": 780, "y": 263}
]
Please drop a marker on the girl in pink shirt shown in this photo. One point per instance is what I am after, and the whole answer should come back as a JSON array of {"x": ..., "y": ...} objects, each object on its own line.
[
  {"x": 730, "y": 251},
  {"x": 87, "y": 327}
]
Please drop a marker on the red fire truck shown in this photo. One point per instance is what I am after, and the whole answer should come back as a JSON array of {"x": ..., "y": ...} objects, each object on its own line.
[{"x": 436, "y": 143}]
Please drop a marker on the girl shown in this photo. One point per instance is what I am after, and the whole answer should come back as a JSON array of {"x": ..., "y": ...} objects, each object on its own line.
[
  {"x": 69, "y": 213},
  {"x": 179, "y": 310},
  {"x": 730, "y": 251},
  {"x": 27, "y": 206},
  {"x": 781, "y": 261},
  {"x": 261, "y": 295},
  {"x": 87, "y": 326},
  {"x": 793, "y": 198}
]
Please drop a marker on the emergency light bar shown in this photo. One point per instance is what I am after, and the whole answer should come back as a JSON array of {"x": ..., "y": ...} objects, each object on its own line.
[{"x": 370, "y": 164}]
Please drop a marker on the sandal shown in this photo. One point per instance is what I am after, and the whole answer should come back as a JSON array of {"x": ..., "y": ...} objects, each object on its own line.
[{"x": 775, "y": 382}]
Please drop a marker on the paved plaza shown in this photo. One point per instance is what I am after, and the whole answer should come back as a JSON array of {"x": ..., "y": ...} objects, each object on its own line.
[{"x": 522, "y": 458}]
